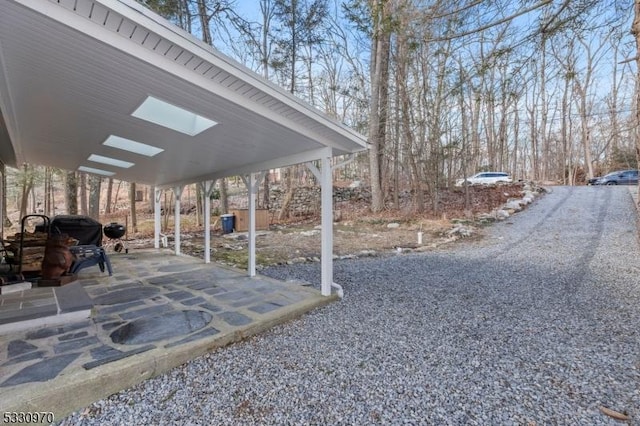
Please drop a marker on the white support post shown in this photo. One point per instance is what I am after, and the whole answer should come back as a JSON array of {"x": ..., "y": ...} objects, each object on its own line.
[
  {"x": 157, "y": 193},
  {"x": 326, "y": 194},
  {"x": 252, "y": 225},
  {"x": 178, "y": 193},
  {"x": 252, "y": 186},
  {"x": 207, "y": 188},
  {"x": 325, "y": 178}
]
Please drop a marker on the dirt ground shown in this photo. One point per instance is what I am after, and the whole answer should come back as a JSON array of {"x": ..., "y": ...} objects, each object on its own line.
[{"x": 358, "y": 233}]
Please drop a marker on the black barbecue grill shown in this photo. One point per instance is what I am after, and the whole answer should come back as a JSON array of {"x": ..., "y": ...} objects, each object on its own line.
[
  {"x": 115, "y": 231},
  {"x": 86, "y": 230}
]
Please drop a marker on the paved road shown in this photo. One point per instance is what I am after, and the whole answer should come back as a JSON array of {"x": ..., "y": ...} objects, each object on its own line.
[{"x": 536, "y": 324}]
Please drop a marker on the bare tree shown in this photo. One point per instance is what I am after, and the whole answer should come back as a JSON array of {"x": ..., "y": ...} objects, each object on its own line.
[
  {"x": 176, "y": 11},
  {"x": 299, "y": 25},
  {"x": 267, "y": 11},
  {"x": 6, "y": 222},
  {"x": 635, "y": 30},
  {"x": 48, "y": 191},
  {"x": 27, "y": 178},
  {"x": 132, "y": 207},
  {"x": 94, "y": 197},
  {"x": 82, "y": 186},
  {"x": 380, "y": 51},
  {"x": 71, "y": 192},
  {"x": 109, "y": 201},
  {"x": 583, "y": 87}
]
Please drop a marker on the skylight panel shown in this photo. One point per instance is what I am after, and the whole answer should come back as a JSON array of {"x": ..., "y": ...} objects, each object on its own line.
[
  {"x": 95, "y": 171},
  {"x": 132, "y": 146},
  {"x": 167, "y": 115},
  {"x": 110, "y": 161}
]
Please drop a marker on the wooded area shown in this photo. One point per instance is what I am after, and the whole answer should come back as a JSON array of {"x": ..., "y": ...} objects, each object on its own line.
[{"x": 546, "y": 90}]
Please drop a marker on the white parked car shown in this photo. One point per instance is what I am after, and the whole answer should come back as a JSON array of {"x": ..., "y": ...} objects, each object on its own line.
[{"x": 485, "y": 178}]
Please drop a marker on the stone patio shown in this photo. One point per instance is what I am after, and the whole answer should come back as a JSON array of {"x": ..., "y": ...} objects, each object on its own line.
[{"x": 63, "y": 348}]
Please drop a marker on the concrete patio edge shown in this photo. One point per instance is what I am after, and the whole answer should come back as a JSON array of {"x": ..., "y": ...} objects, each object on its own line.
[{"x": 70, "y": 392}]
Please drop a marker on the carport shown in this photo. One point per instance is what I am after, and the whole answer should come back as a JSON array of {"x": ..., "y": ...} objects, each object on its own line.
[{"x": 110, "y": 88}]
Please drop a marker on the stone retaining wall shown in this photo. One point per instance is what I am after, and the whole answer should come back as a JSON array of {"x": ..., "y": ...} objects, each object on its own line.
[{"x": 306, "y": 200}]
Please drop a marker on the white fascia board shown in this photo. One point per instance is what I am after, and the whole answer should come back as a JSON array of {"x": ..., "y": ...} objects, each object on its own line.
[{"x": 303, "y": 157}]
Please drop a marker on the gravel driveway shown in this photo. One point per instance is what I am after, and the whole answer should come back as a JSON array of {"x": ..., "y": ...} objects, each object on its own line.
[{"x": 537, "y": 324}]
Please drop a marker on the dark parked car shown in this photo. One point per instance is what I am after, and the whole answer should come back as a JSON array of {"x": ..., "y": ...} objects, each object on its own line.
[
  {"x": 620, "y": 177},
  {"x": 593, "y": 180}
]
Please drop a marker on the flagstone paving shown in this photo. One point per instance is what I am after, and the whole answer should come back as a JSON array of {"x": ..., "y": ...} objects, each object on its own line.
[{"x": 154, "y": 302}]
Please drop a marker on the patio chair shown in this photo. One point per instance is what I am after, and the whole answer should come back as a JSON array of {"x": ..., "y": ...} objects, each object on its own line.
[{"x": 89, "y": 255}]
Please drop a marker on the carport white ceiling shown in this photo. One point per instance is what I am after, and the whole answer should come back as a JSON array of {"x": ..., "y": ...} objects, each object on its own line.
[{"x": 73, "y": 72}]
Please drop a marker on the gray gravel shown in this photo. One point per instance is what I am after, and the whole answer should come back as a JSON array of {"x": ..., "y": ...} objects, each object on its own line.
[{"x": 537, "y": 324}]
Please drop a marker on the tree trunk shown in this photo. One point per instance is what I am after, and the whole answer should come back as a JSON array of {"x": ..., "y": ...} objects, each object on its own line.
[
  {"x": 534, "y": 142},
  {"x": 107, "y": 207},
  {"x": 132, "y": 207},
  {"x": 567, "y": 173},
  {"x": 204, "y": 21},
  {"x": 27, "y": 187},
  {"x": 383, "y": 106},
  {"x": 288, "y": 195},
  {"x": 94, "y": 197},
  {"x": 635, "y": 30},
  {"x": 224, "y": 197},
  {"x": 265, "y": 191},
  {"x": 475, "y": 133},
  {"x": 543, "y": 141},
  {"x": 584, "y": 127},
  {"x": 396, "y": 158},
  {"x": 71, "y": 193},
  {"x": 47, "y": 208},
  {"x": 83, "y": 195},
  {"x": 6, "y": 222},
  {"x": 379, "y": 61},
  {"x": 266, "y": 9},
  {"x": 199, "y": 204},
  {"x": 117, "y": 195},
  {"x": 464, "y": 132},
  {"x": 402, "y": 58},
  {"x": 168, "y": 208}
]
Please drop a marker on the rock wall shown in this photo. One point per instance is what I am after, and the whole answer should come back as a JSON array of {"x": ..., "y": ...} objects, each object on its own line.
[{"x": 306, "y": 200}]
